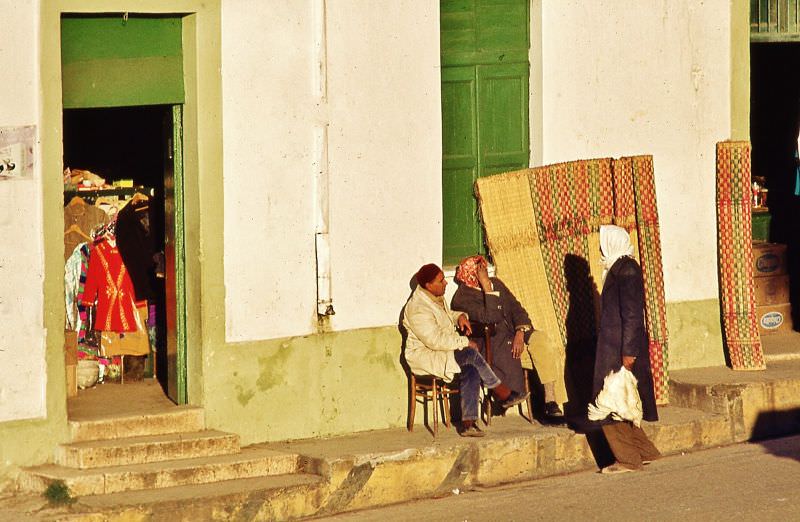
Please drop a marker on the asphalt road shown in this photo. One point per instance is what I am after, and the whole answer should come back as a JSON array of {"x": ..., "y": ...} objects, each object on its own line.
[{"x": 753, "y": 481}]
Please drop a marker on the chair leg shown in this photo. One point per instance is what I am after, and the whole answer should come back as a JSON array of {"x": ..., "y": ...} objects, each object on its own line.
[
  {"x": 529, "y": 402},
  {"x": 412, "y": 407},
  {"x": 435, "y": 409},
  {"x": 487, "y": 408},
  {"x": 446, "y": 400}
]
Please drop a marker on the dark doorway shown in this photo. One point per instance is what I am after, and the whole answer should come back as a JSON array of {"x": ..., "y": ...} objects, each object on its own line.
[
  {"x": 774, "y": 127},
  {"x": 128, "y": 143}
]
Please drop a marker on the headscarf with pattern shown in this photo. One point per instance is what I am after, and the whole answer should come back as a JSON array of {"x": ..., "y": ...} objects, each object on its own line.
[{"x": 467, "y": 271}]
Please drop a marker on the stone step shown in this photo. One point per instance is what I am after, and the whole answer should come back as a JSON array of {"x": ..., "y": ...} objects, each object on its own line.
[
  {"x": 140, "y": 450},
  {"x": 758, "y": 404},
  {"x": 176, "y": 420},
  {"x": 251, "y": 462},
  {"x": 280, "y": 497}
]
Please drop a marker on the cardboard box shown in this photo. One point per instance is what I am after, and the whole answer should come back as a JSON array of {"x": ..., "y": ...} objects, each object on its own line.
[
  {"x": 775, "y": 318},
  {"x": 772, "y": 289},
  {"x": 70, "y": 347},
  {"x": 72, "y": 380},
  {"x": 769, "y": 259}
]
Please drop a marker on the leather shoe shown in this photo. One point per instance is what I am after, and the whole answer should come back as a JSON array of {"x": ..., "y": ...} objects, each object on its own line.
[
  {"x": 551, "y": 409},
  {"x": 514, "y": 399},
  {"x": 471, "y": 431}
]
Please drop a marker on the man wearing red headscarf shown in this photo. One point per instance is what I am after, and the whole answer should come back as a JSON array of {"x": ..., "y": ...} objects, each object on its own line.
[{"x": 435, "y": 347}]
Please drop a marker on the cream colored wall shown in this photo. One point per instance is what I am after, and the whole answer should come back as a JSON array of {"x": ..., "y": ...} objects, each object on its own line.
[
  {"x": 378, "y": 96},
  {"x": 646, "y": 78},
  {"x": 22, "y": 366}
]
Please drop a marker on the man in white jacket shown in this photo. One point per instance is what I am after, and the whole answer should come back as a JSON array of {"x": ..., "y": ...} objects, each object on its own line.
[{"x": 434, "y": 347}]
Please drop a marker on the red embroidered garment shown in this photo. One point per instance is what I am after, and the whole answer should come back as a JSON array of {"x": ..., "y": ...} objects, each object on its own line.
[{"x": 108, "y": 281}]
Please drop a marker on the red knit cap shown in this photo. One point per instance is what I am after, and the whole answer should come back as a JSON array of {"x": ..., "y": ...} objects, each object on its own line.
[{"x": 427, "y": 273}]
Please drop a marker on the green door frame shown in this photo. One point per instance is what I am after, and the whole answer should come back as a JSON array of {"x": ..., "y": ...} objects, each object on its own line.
[{"x": 201, "y": 43}]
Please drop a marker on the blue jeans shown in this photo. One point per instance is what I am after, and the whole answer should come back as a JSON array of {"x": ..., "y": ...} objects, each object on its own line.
[{"x": 474, "y": 369}]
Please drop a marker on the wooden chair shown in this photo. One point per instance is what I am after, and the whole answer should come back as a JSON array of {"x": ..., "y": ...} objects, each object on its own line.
[
  {"x": 487, "y": 330},
  {"x": 429, "y": 388}
]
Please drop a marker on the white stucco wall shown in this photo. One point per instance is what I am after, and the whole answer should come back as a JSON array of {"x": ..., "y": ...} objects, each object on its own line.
[
  {"x": 22, "y": 371},
  {"x": 384, "y": 159},
  {"x": 646, "y": 78}
]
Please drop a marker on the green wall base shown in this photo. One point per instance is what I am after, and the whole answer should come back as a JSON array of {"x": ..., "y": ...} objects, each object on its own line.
[
  {"x": 695, "y": 334},
  {"x": 313, "y": 386}
]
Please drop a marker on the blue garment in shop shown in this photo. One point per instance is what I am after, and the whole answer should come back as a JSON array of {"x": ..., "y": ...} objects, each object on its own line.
[{"x": 796, "y": 173}]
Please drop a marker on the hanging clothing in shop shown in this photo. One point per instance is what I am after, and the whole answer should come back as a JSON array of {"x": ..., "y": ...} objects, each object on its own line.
[
  {"x": 79, "y": 220},
  {"x": 108, "y": 281},
  {"x": 136, "y": 245},
  {"x": 74, "y": 278}
]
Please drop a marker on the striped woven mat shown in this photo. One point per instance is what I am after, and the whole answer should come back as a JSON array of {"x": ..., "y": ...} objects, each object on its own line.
[
  {"x": 734, "y": 225},
  {"x": 542, "y": 229},
  {"x": 637, "y": 212}
]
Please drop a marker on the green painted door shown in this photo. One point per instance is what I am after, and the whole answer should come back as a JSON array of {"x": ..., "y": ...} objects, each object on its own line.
[{"x": 484, "y": 54}]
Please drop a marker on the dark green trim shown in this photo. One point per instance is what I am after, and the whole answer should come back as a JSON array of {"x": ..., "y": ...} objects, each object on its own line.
[
  {"x": 92, "y": 37},
  {"x": 485, "y": 57},
  {"x": 180, "y": 249},
  {"x": 123, "y": 82},
  {"x": 109, "y": 61}
]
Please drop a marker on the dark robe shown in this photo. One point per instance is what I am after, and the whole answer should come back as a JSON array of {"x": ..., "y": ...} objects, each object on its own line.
[
  {"x": 506, "y": 313},
  {"x": 622, "y": 331},
  {"x": 136, "y": 246}
]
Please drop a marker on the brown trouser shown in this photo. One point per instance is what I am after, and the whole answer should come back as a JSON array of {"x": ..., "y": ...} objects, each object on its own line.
[{"x": 630, "y": 444}]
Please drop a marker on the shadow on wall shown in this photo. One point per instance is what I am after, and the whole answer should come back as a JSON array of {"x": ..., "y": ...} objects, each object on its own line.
[
  {"x": 777, "y": 424},
  {"x": 581, "y": 330}
]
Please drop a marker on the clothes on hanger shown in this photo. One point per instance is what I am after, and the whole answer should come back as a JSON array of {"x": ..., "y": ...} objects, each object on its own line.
[
  {"x": 136, "y": 245},
  {"x": 79, "y": 220}
]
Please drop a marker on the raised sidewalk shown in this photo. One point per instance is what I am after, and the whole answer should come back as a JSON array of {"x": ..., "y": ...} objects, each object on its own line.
[{"x": 708, "y": 407}]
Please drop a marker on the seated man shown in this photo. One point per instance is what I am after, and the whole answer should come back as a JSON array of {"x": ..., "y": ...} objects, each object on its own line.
[
  {"x": 488, "y": 300},
  {"x": 434, "y": 347}
]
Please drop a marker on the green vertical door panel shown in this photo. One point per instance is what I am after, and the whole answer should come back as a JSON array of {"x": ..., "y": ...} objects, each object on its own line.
[
  {"x": 459, "y": 160},
  {"x": 503, "y": 118},
  {"x": 485, "y": 71},
  {"x": 175, "y": 259}
]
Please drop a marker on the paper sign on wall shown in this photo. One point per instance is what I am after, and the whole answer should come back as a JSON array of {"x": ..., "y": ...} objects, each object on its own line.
[{"x": 16, "y": 152}]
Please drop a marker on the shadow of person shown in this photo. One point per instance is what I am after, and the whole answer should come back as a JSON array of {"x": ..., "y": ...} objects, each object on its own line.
[{"x": 581, "y": 334}]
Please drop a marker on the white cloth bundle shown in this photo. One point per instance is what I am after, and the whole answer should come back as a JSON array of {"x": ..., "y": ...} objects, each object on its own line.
[{"x": 618, "y": 398}]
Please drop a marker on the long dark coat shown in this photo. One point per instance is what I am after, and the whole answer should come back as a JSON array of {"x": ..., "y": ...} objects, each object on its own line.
[
  {"x": 622, "y": 331},
  {"x": 507, "y": 313}
]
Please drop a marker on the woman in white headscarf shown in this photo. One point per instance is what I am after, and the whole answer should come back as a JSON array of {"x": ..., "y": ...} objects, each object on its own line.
[{"x": 622, "y": 341}]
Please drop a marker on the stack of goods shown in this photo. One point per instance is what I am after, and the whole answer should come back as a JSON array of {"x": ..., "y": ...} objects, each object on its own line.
[
  {"x": 761, "y": 216},
  {"x": 773, "y": 309},
  {"x": 79, "y": 179}
]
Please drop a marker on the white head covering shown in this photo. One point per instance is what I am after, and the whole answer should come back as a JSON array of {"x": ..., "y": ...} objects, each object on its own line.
[{"x": 614, "y": 243}]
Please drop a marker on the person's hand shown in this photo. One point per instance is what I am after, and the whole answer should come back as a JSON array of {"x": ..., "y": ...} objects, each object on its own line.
[
  {"x": 483, "y": 276},
  {"x": 627, "y": 362},
  {"x": 463, "y": 324},
  {"x": 518, "y": 344},
  {"x": 472, "y": 344}
]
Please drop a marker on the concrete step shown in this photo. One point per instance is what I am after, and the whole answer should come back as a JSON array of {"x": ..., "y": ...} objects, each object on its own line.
[
  {"x": 140, "y": 450},
  {"x": 280, "y": 497},
  {"x": 758, "y": 404},
  {"x": 176, "y": 420},
  {"x": 250, "y": 462}
]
